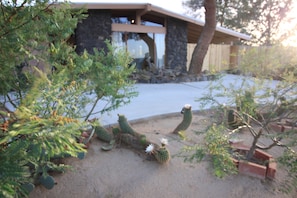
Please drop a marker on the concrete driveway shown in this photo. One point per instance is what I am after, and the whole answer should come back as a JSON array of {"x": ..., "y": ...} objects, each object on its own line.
[{"x": 157, "y": 99}]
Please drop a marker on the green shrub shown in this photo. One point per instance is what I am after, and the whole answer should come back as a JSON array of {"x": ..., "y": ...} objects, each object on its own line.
[
  {"x": 269, "y": 62},
  {"x": 43, "y": 111},
  {"x": 257, "y": 102}
]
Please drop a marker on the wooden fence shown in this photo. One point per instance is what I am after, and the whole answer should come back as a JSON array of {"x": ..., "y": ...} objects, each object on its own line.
[
  {"x": 223, "y": 57},
  {"x": 218, "y": 57}
]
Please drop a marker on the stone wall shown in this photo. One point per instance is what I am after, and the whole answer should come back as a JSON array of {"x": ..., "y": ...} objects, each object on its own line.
[
  {"x": 96, "y": 28},
  {"x": 93, "y": 31},
  {"x": 176, "y": 44}
]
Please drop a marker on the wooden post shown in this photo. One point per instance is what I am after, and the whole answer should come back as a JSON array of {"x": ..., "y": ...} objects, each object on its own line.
[{"x": 234, "y": 50}]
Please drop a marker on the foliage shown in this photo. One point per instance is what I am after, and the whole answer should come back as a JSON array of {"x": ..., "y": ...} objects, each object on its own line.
[
  {"x": 48, "y": 91},
  {"x": 289, "y": 160},
  {"x": 106, "y": 76},
  {"x": 276, "y": 62},
  {"x": 259, "y": 104},
  {"x": 260, "y": 19},
  {"x": 217, "y": 148}
]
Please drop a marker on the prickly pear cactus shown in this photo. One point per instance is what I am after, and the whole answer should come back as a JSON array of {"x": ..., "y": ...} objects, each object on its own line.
[
  {"x": 162, "y": 155},
  {"x": 125, "y": 126},
  {"x": 103, "y": 134},
  {"x": 28, "y": 187},
  {"x": 81, "y": 155},
  {"x": 187, "y": 119}
]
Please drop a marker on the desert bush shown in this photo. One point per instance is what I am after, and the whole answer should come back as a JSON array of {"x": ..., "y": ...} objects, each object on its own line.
[
  {"x": 48, "y": 91},
  {"x": 253, "y": 104},
  {"x": 268, "y": 61},
  {"x": 216, "y": 149}
]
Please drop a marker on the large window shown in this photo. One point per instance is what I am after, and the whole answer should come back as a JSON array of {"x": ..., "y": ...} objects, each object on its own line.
[{"x": 146, "y": 48}]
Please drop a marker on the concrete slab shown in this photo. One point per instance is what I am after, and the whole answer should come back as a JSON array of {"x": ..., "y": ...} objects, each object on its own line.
[{"x": 156, "y": 99}]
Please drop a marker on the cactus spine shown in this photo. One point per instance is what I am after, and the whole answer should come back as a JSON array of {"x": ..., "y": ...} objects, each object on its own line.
[
  {"x": 138, "y": 142},
  {"x": 187, "y": 119},
  {"x": 125, "y": 126},
  {"x": 162, "y": 155},
  {"x": 142, "y": 140},
  {"x": 116, "y": 131},
  {"x": 103, "y": 134}
]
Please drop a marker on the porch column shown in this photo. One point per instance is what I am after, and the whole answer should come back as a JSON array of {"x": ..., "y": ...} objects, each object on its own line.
[
  {"x": 176, "y": 44},
  {"x": 93, "y": 31}
]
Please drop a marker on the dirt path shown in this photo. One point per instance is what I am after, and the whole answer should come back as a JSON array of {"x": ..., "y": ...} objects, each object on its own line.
[{"x": 124, "y": 173}]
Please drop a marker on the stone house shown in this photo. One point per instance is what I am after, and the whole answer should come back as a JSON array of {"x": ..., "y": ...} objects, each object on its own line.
[{"x": 151, "y": 34}]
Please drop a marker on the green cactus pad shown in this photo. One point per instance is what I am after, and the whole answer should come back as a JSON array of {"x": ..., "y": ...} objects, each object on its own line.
[
  {"x": 108, "y": 147},
  {"x": 125, "y": 126},
  {"x": 48, "y": 181},
  {"x": 162, "y": 155},
  {"x": 187, "y": 119},
  {"x": 81, "y": 155},
  {"x": 103, "y": 134},
  {"x": 28, "y": 187}
]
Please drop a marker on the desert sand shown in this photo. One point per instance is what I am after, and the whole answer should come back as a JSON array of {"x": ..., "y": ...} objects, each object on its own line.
[{"x": 126, "y": 173}]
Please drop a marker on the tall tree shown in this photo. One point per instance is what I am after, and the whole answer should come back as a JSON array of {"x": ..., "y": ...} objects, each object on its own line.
[
  {"x": 206, "y": 35},
  {"x": 259, "y": 18}
]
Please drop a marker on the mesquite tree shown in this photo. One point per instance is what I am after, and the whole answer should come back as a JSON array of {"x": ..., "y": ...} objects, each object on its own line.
[
  {"x": 262, "y": 105},
  {"x": 259, "y": 18}
]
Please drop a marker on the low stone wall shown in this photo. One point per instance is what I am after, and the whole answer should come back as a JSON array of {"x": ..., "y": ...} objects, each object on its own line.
[{"x": 169, "y": 76}]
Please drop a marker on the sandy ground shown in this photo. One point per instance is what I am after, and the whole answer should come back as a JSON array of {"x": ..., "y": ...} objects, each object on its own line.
[{"x": 125, "y": 173}]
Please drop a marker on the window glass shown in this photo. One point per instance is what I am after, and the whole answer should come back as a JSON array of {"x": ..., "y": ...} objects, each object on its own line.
[
  {"x": 121, "y": 20},
  {"x": 149, "y": 23},
  {"x": 160, "y": 48},
  {"x": 147, "y": 49},
  {"x": 126, "y": 20}
]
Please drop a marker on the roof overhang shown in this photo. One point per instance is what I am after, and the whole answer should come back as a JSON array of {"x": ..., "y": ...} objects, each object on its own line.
[{"x": 156, "y": 14}]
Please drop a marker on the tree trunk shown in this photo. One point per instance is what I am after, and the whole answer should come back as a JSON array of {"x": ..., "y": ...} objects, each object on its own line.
[
  {"x": 251, "y": 152},
  {"x": 205, "y": 37}
]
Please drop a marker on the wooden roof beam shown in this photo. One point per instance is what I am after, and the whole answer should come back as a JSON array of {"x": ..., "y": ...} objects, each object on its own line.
[
  {"x": 116, "y": 27},
  {"x": 139, "y": 13}
]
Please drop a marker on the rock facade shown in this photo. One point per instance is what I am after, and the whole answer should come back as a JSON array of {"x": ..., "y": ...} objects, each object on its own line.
[
  {"x": 93, "y": 31},
  {"x": 176, "y": 44},
  {"x": 169, "y": 76},
  {"x": 96, "y": 28}
]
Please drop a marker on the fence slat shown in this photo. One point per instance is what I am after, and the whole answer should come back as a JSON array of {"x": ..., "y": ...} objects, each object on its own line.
[
  {"x": 224, "y": 57},
  {"x": 216, "y": 59}
]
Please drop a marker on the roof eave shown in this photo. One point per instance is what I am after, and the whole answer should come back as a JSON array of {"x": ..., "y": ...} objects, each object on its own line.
[{"x": 153, "y": 8}]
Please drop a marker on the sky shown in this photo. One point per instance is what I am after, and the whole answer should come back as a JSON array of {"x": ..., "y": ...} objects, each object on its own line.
[{"x": 176, "y": 6}]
